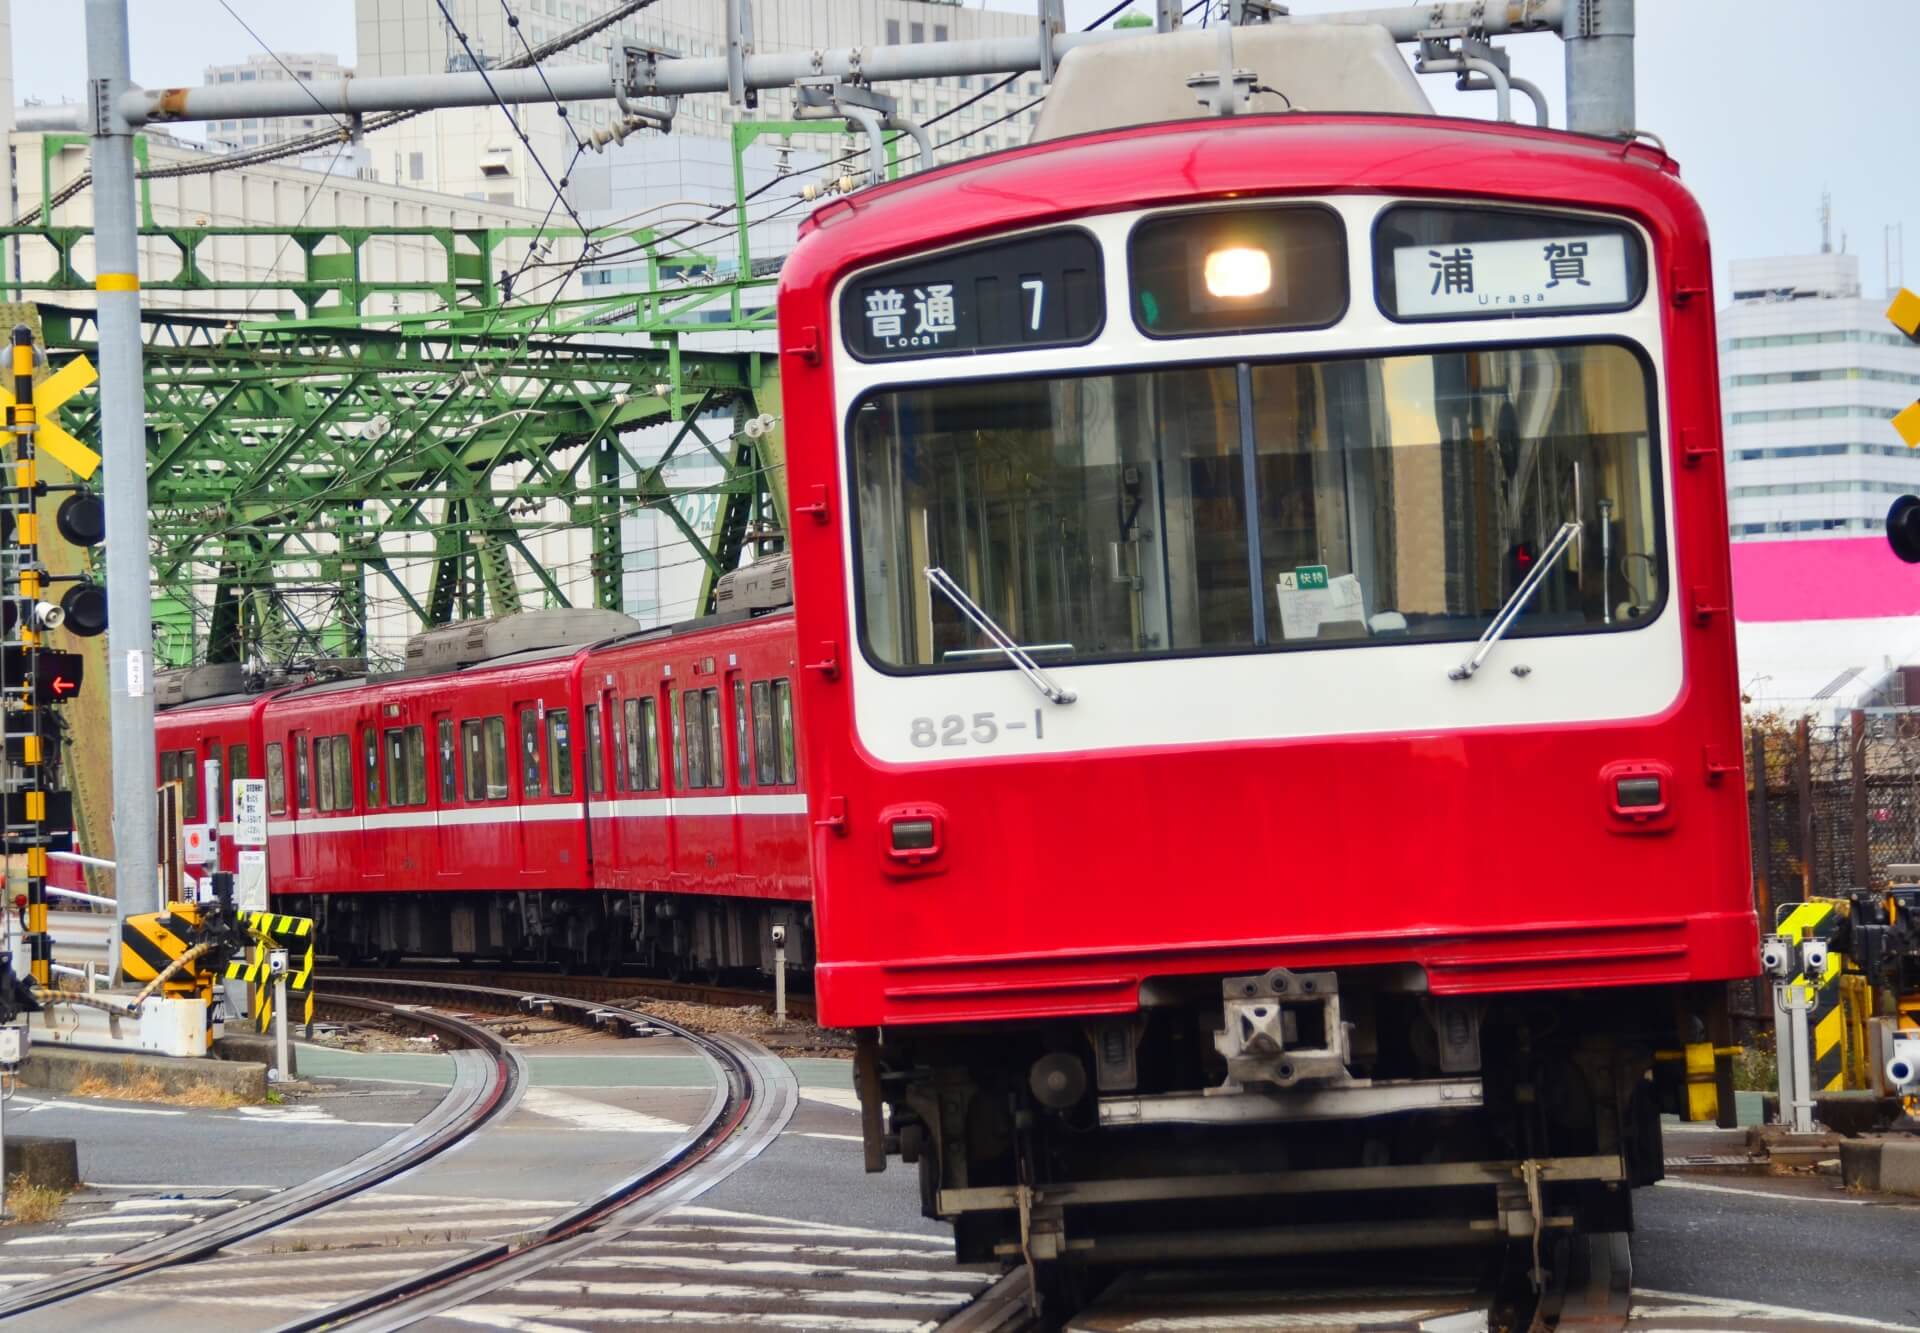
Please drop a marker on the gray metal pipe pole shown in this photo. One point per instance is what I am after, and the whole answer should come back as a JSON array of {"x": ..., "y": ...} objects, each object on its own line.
[
  {"x": 568, "y": 83},
  {"x": 123, "y": 436},
  {"x": 1407, "y": 22},
  {"x": 1599, "y": 41}
]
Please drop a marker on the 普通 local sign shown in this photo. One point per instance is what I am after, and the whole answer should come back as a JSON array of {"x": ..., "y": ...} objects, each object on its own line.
[{"x": 1506, "y": 277}]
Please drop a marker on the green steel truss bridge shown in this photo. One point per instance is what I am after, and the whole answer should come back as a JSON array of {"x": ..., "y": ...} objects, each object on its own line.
[{"x": 301, "y": 466}]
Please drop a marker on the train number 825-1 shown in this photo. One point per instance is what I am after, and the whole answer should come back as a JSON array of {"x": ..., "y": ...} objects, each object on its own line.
[{"x": 977, "y": 729}]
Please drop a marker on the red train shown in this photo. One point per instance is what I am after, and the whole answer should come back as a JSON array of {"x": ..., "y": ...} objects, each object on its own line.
[
  {"x": 1268, "y": 680},
  {"x": 542, "y": 786}
]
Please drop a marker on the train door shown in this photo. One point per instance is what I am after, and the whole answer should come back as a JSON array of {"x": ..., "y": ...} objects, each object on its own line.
[
  {"x": 299, "y": 853},
  {"x": 530, "y": 733},
  {"x": 374, "y": 838},
  {"x": 594, "y": 717},
  {"x": 703, "y": 815},
  {"x": 446, "y": 764}
]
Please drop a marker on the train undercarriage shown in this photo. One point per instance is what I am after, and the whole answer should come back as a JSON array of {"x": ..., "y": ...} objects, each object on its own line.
[
  {"x": 680, "y": 935},
  {"x": 1283, "y": 1113}
]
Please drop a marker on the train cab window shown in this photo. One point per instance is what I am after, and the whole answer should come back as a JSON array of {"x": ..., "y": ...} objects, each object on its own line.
[
  {"x": 595, "y": 755},
  {"x": 559, "y": 753},
  {"x": 496, "y": 733},
  {"x": 276, "y": 779},
  {"x": 370, "y": 767},
  {"x": 1347, "y": 501},
  {"x": 302, "y": 773},
  {"x": 766, "y": 757},
  {"x": 530, "y": 784},
  {"x": 406, "y": 766},
  {"x": 449, "y": 772},
  {"x": 742, "y": 751},
  {"x": 783, "y": 709}
]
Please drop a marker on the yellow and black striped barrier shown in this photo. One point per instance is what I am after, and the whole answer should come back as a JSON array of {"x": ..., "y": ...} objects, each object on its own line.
[
  {"x": 1818, "y": 918},
  {"x": 272, "y": 931}
]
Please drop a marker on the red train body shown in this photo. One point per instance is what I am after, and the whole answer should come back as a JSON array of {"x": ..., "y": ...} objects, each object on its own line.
[
  {"x": 551, "y": 803},
  {"x": 1065, "y": 897}
]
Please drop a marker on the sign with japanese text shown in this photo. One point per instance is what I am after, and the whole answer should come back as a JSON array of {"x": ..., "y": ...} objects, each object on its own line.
[
  {"x": 1037, "y": 291},
  {"x": 1511, "y": 277},
  {"x": 249, "y": 812},
  {"x": 196, "y": 844}
]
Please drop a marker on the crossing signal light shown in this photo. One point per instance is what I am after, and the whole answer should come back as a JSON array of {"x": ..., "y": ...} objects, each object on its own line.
[
  {"x": 57, "y": 680},
  {"x": 85, "y": 607},
  {"x": 82, "y": 519}
]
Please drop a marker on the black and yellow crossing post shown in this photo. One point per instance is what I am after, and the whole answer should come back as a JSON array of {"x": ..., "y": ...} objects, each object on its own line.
[
  {"x": 33, "y": 677},
  {"x": 1905, "y": 314},
  {"x": 21, "y": 720}
]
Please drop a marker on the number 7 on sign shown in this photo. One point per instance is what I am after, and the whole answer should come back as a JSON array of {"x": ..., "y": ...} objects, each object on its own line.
[{"x": 1038, "y": 287}]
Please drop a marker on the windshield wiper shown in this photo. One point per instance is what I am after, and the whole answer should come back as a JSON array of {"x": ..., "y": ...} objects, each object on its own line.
[
  {"x": 1517, "y": 603},
  {"x": 983, "y": 622}
]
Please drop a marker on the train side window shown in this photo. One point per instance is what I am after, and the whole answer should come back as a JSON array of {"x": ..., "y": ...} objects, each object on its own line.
[
  {"x": 530, "y": 751},
  {"x": 596, "y": 778},
  {"x": 343, "y": 772},
  {"x": 323, "y": 771},
  {"x": 190, "y": 775},
  {"x": 449, "y": 778},
  {"x": 559, "y": 753},
  {"x": 783, "y": 706},
  {"x": 406, "y": 766},
  {"x": 239, "y": 763},
  {"x": 626, "y": 753},
  {"x": 370, "y": 758},
  {"x": 302, "y": 773},
  {"x": 473, "y": 746},
  {"x": 716, "y": 741},
  {"x": 679, "y": 750},
  {"x": 766, "y": 757},
  {"x": 276, "y": 779},
  {"x": 496, "y": 732},
  {"x": 649, "y": 745},
  {"x": 743, "y": 754},
  {"x": 416, "y": 766},
  {"x": 691, "y": 712}
]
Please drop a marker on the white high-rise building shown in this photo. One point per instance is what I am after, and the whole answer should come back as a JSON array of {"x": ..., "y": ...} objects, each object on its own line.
[
  {"x": 279, "y": 67},
  {"x": 1812, "y": 374}
]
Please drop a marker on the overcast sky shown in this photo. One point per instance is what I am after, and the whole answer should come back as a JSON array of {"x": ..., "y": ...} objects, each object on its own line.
[{"x": 1765, "y": 103}]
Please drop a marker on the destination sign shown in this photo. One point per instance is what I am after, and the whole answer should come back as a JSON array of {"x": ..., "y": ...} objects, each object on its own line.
[
  {"x": 1041, "y": 290},
  {"x": 1507, "y": 277}
]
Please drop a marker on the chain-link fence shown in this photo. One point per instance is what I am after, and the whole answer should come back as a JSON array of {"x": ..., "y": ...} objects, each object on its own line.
[{"x": 1833, "y": 804}]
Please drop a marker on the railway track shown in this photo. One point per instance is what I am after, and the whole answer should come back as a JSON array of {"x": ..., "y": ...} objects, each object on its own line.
[
  {"x": 602, "y": 991},
  {"x": 488, "y": 1078},
  {"x": 1588, "y": 1290},
  {"x": 753, "y": 1096}
]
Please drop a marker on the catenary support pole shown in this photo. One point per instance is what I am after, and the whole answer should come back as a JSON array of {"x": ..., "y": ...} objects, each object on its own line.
[
  {"x": 1599, "y": 41},
  {"x": 123, "y": 436}
]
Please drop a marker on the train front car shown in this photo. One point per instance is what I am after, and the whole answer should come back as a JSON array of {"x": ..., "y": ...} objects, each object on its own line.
[{"x": 1268, "y": 679}]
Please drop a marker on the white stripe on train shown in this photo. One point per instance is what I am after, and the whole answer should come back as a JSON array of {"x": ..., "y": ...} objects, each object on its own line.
[{"x": 655, "y": 807}]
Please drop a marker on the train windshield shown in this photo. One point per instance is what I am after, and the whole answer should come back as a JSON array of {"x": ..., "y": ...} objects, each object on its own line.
[{"x": 1255, "y": 506}]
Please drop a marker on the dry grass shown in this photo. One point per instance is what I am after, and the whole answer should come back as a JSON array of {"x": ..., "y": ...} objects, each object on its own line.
[
  {"x": 33, "y": 1203},
  {"x": 132, "y": 1086}
]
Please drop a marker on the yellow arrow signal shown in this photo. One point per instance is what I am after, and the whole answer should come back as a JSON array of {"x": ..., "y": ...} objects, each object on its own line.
[
  {"x": 48, "y": 394},
  {"x": 1905, "y": 313}
]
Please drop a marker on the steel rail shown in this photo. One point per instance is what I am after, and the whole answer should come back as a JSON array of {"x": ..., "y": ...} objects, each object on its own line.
[
  {"x": 753, "y": 1098},
  {"x": 574, "y": 985},
  {"x": 488, "y": 1079}
]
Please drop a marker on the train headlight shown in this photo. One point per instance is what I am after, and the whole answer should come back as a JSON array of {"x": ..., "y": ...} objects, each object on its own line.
[{"x": 1238, "y": 272}]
